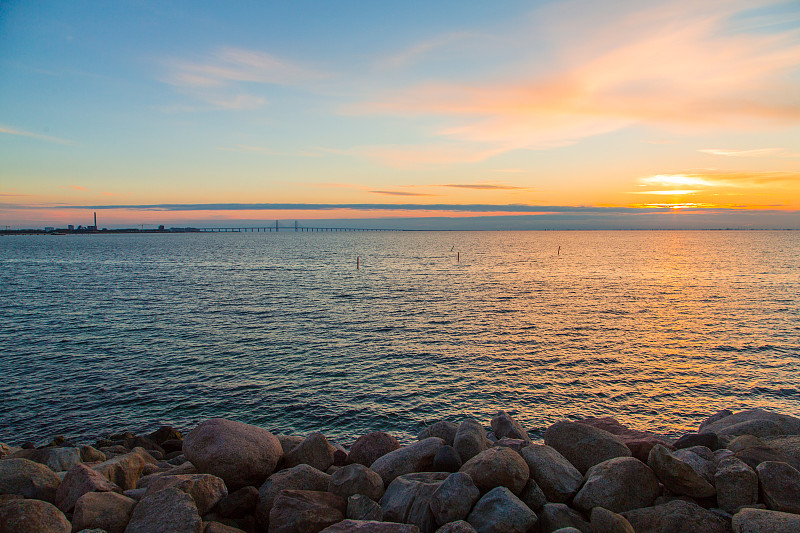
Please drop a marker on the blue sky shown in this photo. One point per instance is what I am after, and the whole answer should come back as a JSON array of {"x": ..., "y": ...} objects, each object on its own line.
[{"x": 681, "y": 106}]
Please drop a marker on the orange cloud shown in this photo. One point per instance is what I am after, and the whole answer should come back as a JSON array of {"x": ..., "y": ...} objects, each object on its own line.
[{"x": 674, "y": 65}]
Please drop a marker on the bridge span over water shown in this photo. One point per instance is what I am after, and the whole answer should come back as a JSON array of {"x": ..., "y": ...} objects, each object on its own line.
[{"x": 297, "y": 227}]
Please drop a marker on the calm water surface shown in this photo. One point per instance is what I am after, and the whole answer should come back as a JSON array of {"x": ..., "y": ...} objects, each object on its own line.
[{"x": 659, "y": 329}]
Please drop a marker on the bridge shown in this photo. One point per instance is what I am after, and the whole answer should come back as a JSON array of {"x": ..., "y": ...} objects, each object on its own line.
[{"x": 277, "y": 227}]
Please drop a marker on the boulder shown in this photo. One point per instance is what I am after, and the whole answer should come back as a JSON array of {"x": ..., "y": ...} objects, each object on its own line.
[
  {"x": 458, "y": 526},
  {"x": 89, "y": 454},
  {"x": 7, "y": 450},
  {"x": 676, "y": 516},
  {"x": 368, "y": 448},
  {"x": 619, "y": 484},
  {"x": 446, "y": 460},
  {"x": 557, "y": 516},
  {"x": 763, "y": 521},
  {"x": 370, "y": 526},
  {"x": 704, "y": 464},
  {"x": 532, "y": 495},
  {"x": 742, "y": 442},
  {"x": 315, "y": 450},
  {"x": 123, "y": 470},
  {"x": 454, "y": 498},
  {"x": 780, "y": 486},
  {"x": 356, "y": 479},
  {"x": 788, "y": 446},
  {"x": 442, "y": 429},
  {"x": 205, "y": 489},
  {"x": 417, "y": 457},
  {"x": 584, "y": 446},
  {"x": 407, "y": 499},
  {"x": 470, "y": 439},
  {"x": 238, "y": 453},
  {"x": 56, "y": 459},
  {"x": 497, "y": 467},
  {"x": 709, "y": 440},
  {"x": 170, "y": 510},
  {"x": 239, "y": 503},
  {"x": 300, "y": 477},
  {"x": 553, "y": 473},
  {"x": 78, "y": 481},
  {"x": 32, "y": 516},
  {"x": 756, "y": 422},
  {"x": 755, "y": 455},
  {"x": 638, "y": 442},
  {"x": 514, "y": 444},
  {"x": 504, "y": 426},
  {"x": 736, "y": 484},
  {"x": 165, "y": 433},
  {"x": 217, "y": 527},
  {"x": 359, "y": 507},
  {"x": 305, "y": 511},
  {"x": 103, "y": 510},
  {"x": 604, "y": 521},
  {"x": 289, "y": 442},
  {"x": 677, "y": 475},
  {"x": 499, "y": 511},
  {"x": 28, "y": 478}
]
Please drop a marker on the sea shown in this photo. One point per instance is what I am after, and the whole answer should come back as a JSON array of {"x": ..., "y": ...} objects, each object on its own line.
[{"x": 351, "y": 332}]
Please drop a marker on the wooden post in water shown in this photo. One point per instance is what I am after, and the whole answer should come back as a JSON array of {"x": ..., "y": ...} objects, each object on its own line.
[
  {"x": 559, "y": 250},
  {"x": 458, "y": 257},
  {"x": 358, "y": 261}
]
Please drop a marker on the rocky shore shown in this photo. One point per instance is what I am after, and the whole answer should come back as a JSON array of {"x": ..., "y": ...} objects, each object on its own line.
[{"x": 737, "y": 473}]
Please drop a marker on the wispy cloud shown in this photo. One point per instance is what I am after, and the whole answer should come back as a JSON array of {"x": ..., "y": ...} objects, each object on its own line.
[
  {"x": 223, "y": 80},
  {"x": 758, "y": 152},
  {"x": 402, "y": 193},
  {"x": 22, "y": 133},
  {"x": 482, "y": 186},
  {"x": 74, "y": 187},
  {"x": 715, "y": 179},
  {"x": 269, "y": 151},
  {"x": 420, "y": 50},
  {"x": 705, "y": 78}
]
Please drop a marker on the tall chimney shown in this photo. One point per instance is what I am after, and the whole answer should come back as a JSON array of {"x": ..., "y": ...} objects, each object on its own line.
[{"x": 95, "y": 220}]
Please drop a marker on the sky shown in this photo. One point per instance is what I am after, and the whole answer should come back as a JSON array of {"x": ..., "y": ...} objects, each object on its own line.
[{"x": 468, "y": 114}]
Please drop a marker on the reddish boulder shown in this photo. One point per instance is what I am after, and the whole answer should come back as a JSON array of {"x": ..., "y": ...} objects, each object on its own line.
[{"x": 638, "y": 442}]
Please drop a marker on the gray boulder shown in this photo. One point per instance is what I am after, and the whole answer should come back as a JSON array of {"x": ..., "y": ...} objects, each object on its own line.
[
  {"x": 239, "y": 503},
  {"x": 470, "y": 439},
  {"x": 300, "y": 477},
  {"x": 458, "y": 526},
  {"x": 298, "y": 511},
  {"x": 442, "y": 429},
  {"x": 359, "y": 507},
  {"x": 417, "y": 457},
  {"x": 788, "y": 446},
  {"x": 703, "y": 464},
  {"x": 315, "y": 450},
  {"x": 498, "y": 467},
  {"x": 56, "y": 459},
  {"x": 676, "y": 516},
  {"x": 108, "y": 511},
  {"x": 556, "y": 516},
  {"x": 32, "y": 516},
  {"x": 584, "y": 446},
  {"x": 447, "y": 460},
  {"x": 166, "y": 510},
  {"x": 369, "y": 526},
  {"x": 356, "y": 479},
  {"x": 28, "y": 478},
  {"x": 553, "y": 473},
  {"x": 736, "y": 484},
  {"x": 604, "y": 521},
  {"x": 756, "y": 422},
  {"x": 205, "y": 489},
  {"x": 77, "y": 482},
  {"x": 238, "y": 453},
  {"x": 504, "y": 426},
  {"x": 532, "y": 495},
  {"x": 454, "y": 498},
  {"x": 499, "y": 511},
  {"x": 123, "y": 470},
  {"x": 677, "y": 475},
  {"x": 368, "y": 448},
  {"x": 763, "y": 521},
  {"x": 619, "y": 484},
  {"x": 780, "y": 486},
  {"x": 408, "y": 497}
]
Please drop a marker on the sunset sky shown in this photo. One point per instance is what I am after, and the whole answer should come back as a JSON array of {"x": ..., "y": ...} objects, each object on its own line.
[{"x": 544, "y": 113}]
